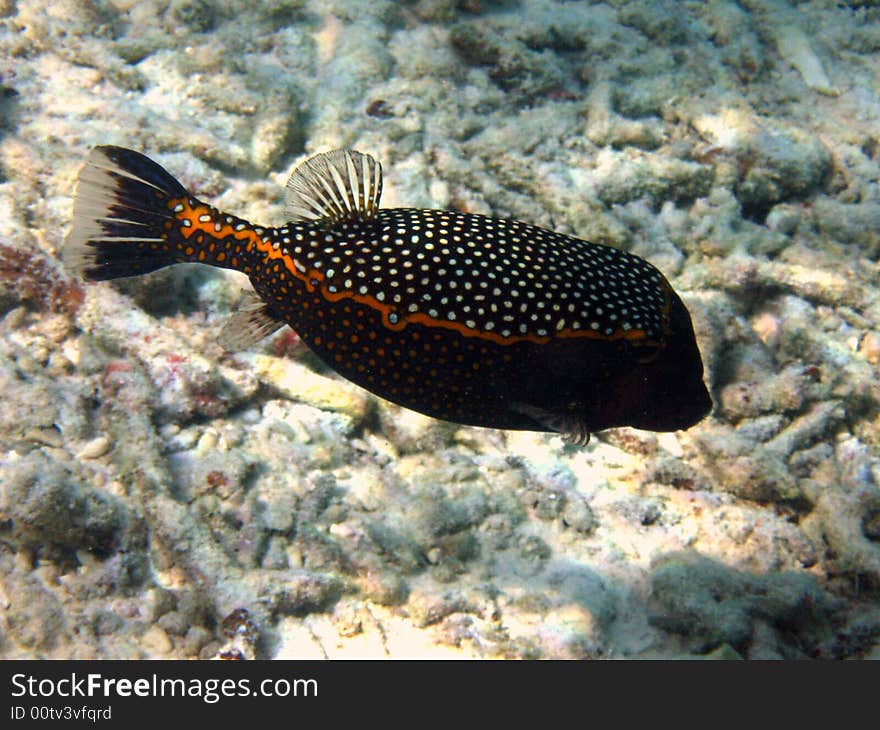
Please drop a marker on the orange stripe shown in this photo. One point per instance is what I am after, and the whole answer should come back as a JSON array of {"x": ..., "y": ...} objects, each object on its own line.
[
  {"x": 420, "y": 318},
  {"x": 254, "y": 240}
]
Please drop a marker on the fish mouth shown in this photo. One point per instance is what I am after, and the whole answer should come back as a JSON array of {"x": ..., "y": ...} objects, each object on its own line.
[{"x": 684, "y": 409}]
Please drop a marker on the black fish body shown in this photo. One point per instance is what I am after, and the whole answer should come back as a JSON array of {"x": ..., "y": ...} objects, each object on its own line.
[{"x": 477, "y": 320}]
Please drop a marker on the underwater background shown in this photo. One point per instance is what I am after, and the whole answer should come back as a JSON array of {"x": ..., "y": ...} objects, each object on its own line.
[{"x": 160, "y": 497}]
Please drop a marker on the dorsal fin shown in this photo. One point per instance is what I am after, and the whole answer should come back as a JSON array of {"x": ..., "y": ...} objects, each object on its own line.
[{"x": 335, "y": 186}]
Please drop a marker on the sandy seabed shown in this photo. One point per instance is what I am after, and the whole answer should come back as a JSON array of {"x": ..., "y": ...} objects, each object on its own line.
[{"x": 162, "y": 498}]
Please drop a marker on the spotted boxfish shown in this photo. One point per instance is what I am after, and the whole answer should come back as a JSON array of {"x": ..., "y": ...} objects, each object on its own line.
[{"x": 472, "y": 319}]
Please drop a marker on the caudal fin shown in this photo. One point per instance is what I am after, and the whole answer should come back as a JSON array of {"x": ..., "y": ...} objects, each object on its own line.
[{"x": 121, "y": 216}]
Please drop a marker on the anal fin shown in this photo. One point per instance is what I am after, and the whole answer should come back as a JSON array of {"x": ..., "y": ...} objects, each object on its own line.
[{"x": 251, "y": 323}]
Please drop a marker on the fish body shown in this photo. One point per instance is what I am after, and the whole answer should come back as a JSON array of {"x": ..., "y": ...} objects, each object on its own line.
[{"x": 477, "y": 320}]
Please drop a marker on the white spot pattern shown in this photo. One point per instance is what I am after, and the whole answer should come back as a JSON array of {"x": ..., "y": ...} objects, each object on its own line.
[{"x": 487, "y": 272}]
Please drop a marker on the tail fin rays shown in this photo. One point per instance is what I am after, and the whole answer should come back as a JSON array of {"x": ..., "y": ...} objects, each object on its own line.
[{"x": 120, "y": 216}]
